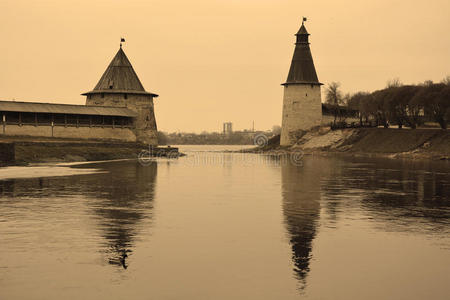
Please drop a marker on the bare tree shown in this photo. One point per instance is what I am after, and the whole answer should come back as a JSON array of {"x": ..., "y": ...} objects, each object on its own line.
[
  {"x": 435, "y": 99},
  {"x": 409, "y": 105},
  {"x": 334, "y": 97},
  {"x": 357, "y": 102},
  {"x": 394, "y": 82},
  {"x": 446, "y": 80},
  {"x": 346, "y": 97}
]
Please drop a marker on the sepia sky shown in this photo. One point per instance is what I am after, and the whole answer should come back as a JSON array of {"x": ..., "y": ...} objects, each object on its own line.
[{"x": 213, "y": 61}]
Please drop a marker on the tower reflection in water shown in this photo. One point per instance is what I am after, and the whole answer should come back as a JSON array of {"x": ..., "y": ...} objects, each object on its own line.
[
  {"x": 392, "y": 196},
  {"x": 301, "y": 209},
  {"x": 119, "y": 198},
  {"x": 123, "y": 198}
]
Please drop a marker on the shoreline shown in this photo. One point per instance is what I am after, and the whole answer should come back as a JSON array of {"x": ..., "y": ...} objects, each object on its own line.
[
  {"x": 417, "y": 144},
  {"x": 26, "y": 152}
]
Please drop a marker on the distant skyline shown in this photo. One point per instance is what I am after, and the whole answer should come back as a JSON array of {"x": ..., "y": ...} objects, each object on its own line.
[{"x": 214, "y": 61}]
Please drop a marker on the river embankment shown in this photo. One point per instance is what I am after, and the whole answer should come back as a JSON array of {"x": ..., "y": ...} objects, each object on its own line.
[
  {"x": 431, "y": 144},
  {"x": 23, "y": 150}
]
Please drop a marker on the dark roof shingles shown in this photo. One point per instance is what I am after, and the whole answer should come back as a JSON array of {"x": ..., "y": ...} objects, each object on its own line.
[
  {"x": 35, "y": 107},
  {"x": 302, "y": 68},
  {"x": 119, "y": 76}
]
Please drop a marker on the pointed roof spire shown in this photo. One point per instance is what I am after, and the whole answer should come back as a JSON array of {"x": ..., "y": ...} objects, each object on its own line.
[
  {"x": 302, "y": 29},
  {"x": 119, "y": 77},
  {"x": 302, "y": 70}
]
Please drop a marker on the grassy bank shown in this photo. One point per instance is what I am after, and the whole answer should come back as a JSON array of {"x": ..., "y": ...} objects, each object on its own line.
[
  {"x": 433, "y": 142},
  {"x": 406, "y": 143}
]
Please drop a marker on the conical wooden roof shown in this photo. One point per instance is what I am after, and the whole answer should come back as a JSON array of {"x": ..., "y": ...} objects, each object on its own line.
[
  {"x": 302, "y": 30},
  {"x": 119, "y": 77},
  {"x": 302, "y": 70}
]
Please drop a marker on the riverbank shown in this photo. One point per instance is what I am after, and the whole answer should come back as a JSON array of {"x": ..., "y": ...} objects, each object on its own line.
[
  {"x": 380, "y": 142},
  {"x": 22, "y": 151}
]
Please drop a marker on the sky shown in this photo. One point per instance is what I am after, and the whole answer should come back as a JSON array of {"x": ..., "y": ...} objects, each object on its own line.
[{"x": 214, "y": 61}]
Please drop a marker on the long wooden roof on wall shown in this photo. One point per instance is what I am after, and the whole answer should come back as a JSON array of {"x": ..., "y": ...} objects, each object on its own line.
[
  {"x": 35, "y": 107},
  {"x": 120, "y": 77}
]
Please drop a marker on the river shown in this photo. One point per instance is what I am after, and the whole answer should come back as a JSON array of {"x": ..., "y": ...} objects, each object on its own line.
[{"x": 216, "y": 225}]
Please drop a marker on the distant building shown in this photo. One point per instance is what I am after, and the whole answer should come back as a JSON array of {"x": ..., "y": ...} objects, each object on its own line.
[
  {"x": 118, "y": 108},
  {"x": 227, "y": 128},
  {"x": 302, "y": 108}
]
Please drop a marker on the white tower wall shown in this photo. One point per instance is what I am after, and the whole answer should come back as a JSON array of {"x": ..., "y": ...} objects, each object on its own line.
[{"x": 302, "y": 110}]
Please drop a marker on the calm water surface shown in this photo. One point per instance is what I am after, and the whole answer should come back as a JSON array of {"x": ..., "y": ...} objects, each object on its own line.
[{"x": 226, "y": 226}]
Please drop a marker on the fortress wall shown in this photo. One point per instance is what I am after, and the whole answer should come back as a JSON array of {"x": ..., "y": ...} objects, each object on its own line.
[
  {"x": 7, "y": 152},
  {"x": 107, "y": 133},
  {"x": 144, "y": 123},
  {"x": 118, "y": 100},
  {"x": 30, "y": 130},
  {"x": 302, "y": 110}
]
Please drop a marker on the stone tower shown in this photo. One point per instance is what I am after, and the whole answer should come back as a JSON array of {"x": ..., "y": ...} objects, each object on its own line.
[
  {"x": 302, "y": 104},
  {"x": 120, "y": 87}
]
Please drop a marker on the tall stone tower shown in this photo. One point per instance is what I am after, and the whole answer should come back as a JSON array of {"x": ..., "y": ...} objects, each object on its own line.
[
  {"x": 120, "y": 87},
  {"x": 302, "y": 104}
]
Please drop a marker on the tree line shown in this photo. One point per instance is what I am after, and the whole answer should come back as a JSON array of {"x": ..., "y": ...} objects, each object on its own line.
[
  {"x": 397, "y": 104},
  {"x": 205, "y": 138}
]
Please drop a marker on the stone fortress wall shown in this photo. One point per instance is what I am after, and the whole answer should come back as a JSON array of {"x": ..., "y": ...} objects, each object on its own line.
[
  {"x": 144, "y": 124},
  {"x": 116, "y": 133}
]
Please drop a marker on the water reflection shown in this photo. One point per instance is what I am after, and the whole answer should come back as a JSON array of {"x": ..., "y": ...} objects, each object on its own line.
[
  {"x": 118, "y": 200},
  {"x": 401, "y": 196},
  {"x": 348, "y": 220},
  {"x": 397, "y": 195},
  {"x": 124, "y": 197},
  {"x": 301, "y": 208}
]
